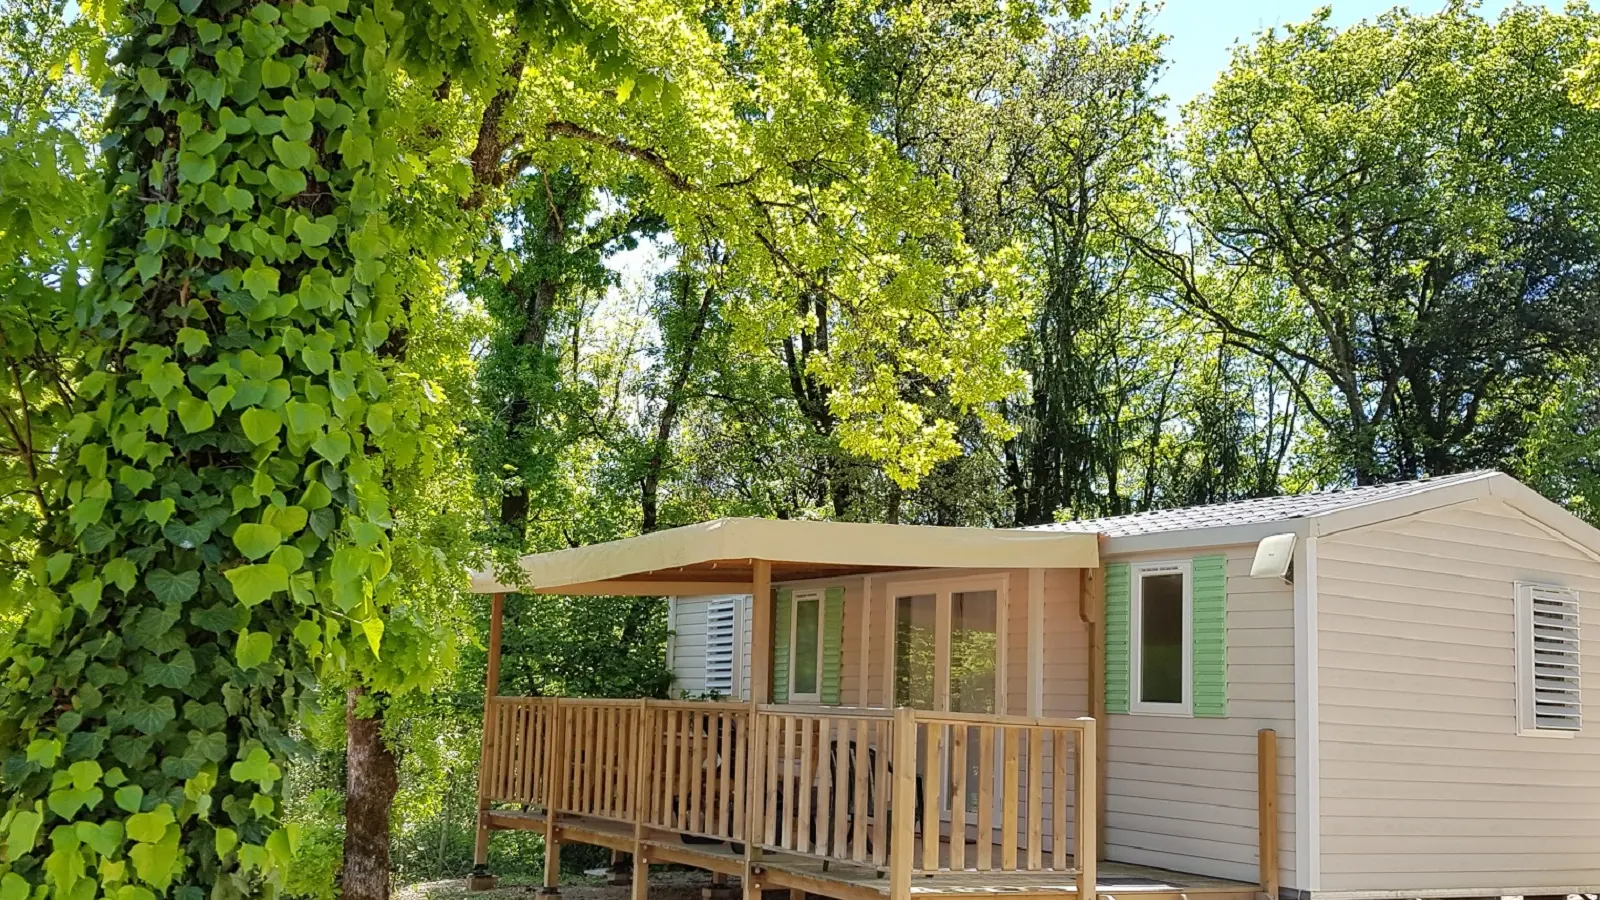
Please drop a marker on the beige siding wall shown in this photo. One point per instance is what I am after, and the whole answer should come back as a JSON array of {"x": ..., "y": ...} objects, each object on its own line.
[
  {"x": 1425, "y": 783},
  {"x": 1181, "y": 793}
]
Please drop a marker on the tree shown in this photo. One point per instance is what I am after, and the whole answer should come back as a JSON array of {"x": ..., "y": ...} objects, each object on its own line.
[{"x": 1364, "y": 211}]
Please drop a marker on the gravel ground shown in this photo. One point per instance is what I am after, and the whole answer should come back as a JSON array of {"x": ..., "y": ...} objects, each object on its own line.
[{"x": 667, "y": 885}]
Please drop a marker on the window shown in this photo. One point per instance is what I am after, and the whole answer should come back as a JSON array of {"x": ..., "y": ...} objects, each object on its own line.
[
  {"x": 1162, "y": 659},
  {"x": 1549, "y": 664},
  {"x": 722, "y": 645},
  {"x": 805, "y": 647}
]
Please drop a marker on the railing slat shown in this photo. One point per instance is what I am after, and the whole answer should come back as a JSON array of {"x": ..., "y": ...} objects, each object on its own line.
[
  {"x": 790, "y": 735},
  {"x": 802, "y": 792},
  {"x": 932, "y": 754},
  {"x": 741, "y": 761},
  {"x": 770, "y": 814},
  {"x": 1035, "y": 799},
  {"x": 842, "y": 791},
  {"x": 958, "y": 798},
  {"x": 880, "y": 803},
  {"x": 1060, "y": 740},
  {"x": 985, "y": 847},
  {"x": 1008, "y": 800},
  {"x": 826, "y": 763}
]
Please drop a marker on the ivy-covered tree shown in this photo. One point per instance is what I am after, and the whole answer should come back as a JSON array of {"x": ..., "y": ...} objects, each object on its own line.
[{"x": 220, "y": 523}]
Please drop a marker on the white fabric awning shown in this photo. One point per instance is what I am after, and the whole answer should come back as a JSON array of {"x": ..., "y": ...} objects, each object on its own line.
[{"x": 716, "y": 556}]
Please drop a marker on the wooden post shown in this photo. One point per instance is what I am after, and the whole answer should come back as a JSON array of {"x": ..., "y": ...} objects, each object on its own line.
[
  {"x": 1088, "y": 811},
  {"x": 902, "y": 804},
  {"x": 557, "y": 761},
  {"x": 760, "y": 692},
  {"x": 480, "y": 879},
  {"x": 641, "y": 875},
  {"x": 1267, "y": 807}
]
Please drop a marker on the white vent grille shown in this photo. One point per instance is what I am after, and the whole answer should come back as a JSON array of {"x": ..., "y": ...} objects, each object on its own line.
[
  {"x": 1549, "y": 660},
  {"x": 721, "y": 645}
]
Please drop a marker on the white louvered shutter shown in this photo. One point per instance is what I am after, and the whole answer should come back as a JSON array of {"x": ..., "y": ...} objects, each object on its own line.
[
  {"x": 1549, "y": 660},
  {"x": 721, "y": 645}
]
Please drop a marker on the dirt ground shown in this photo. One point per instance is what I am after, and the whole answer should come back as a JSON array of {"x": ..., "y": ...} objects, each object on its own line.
[{"x": 667, "y": 885}]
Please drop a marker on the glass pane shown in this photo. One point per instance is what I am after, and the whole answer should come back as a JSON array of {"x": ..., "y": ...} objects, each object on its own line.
[
  {"x": 1161, "y": 639},
  {"x": 974, "y": 665},
  {"x": 914, "y": 637},
  {"x": 805, "y": 646},
  {"x": 974, "y": 649}
]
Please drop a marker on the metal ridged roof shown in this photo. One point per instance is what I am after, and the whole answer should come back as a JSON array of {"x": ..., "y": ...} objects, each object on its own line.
[{"x": 1260, "y": 510}]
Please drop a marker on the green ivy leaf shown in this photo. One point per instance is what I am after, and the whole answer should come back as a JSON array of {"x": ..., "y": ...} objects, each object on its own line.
[
  {"x": 154, "y": 85},
  {"x": 129, "y": 798},
  {"x": 149, "y": 716},
  {"x": 275, "y": 73},
  {"x": 159, "y": 511},
  {"x": 256, "y": 541},
  {"x": 23, "y": 832},
  {"x": 122, "y": 573},
  {"x": 333, "y": 446},
  {"x": 253, "y": 584},
  {"x": 261, "y": 280},
  {"x": 195, "y": 169},
  {"x": 310, "y": 233},
  {"x": 193, "y": 340},
  {"x": 161, "y": 378},
  {"x": 172, "y": 588},
  {"x": 293, "y": 154},
  {"x": 174, "y": 673},
  {"x": 256, "y": 766},
  {"x": 380, "y": 418},
  {"x": 252, "y": 649},
  {"x": 289, "y": 182},
  {"x": 260, "y": 425},
  {"x": 195, "y": 414}
]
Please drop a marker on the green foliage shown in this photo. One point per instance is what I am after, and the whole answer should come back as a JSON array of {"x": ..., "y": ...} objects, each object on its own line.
[
  {"x": 1408, "y": 249},
  {"x": 243, "y": 280}
]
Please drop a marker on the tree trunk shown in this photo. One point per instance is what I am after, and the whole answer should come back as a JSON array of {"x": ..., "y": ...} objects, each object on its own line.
[{"x": 370, "y": 786}]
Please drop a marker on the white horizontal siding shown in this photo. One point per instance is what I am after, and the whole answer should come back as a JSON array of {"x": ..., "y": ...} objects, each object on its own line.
[
  {"x": 688, "y": 657},
  {"x": 1425, "y": 783},
  {"x": 1182, "y": 793}
]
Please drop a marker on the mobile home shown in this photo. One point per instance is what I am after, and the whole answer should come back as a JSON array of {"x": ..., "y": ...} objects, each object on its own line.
[{"x": 1367, "y": 693}]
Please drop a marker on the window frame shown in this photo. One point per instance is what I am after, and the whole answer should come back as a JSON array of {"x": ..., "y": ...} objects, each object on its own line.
[
  {"x": 1136, "y": 576},
  {"x": 942, "y": 588},
  {"x": 795, "y": 597},
  {"x": 1527, "y": 721}
]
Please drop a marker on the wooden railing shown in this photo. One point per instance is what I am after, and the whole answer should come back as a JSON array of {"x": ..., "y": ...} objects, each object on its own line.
[
  {"x": 698, "y": 756},
  {"x": 1018, "y": 777},
  {"x": 905, "y": 791},
  {"x": 516, "y": 750},
  {"x": 822, "y": 784}
]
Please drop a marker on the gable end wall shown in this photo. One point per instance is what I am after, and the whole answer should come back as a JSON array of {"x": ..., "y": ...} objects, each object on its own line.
[{"x": 1425, "y": 784}]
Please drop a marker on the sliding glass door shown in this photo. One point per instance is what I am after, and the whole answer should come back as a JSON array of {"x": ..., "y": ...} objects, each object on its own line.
[{"x": 949, "y": 655}]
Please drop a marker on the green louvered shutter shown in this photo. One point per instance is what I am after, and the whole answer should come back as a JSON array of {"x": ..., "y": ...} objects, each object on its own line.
[
  {"x": 1210, "y": 595},
  {"x": 780, "y": 645},
  {"x": 832, "y": 644},
  {"x": 1118, "y": 621}
]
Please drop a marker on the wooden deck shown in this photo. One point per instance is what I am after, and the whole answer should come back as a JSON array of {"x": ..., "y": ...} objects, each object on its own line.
[
  {"x": 854, "y": 882},
  {"x": 823, "y": 800}
]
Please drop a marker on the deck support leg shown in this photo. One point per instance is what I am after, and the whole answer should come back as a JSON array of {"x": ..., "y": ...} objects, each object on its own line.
[
  {"x": 621, "y": 870},
  {"x": 641, "y": 876},
  {"x": 480, "y": 879},
  {"x": 552, "y": 865},
  {"x": 750, "y": 882},
  {"x": 720, "y": 888}
]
